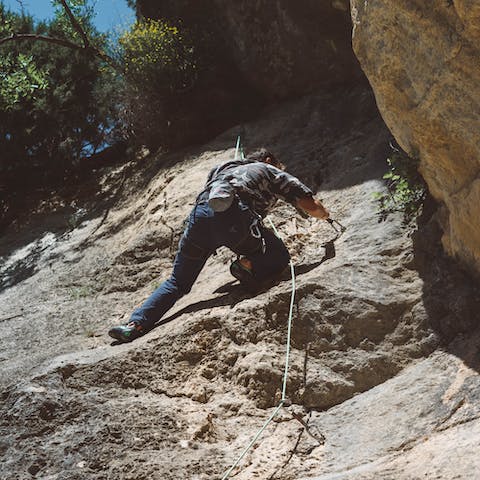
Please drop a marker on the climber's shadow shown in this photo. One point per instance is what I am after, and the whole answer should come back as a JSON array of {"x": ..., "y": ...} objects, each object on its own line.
[
  {"x": 229, "y": 287},
  {"x": 330, "y": 253},
  {"x": 234, "y": 293}
]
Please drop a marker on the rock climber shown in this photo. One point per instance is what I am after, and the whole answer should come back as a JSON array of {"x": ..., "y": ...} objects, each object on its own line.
[{"x": 229, "y": 212}]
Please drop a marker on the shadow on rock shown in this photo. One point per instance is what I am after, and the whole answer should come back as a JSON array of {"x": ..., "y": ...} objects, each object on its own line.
[
  {"x": 234, "y": 293},
  {"x": 451, "y": 297},
  {"x": 231, "y": 298}
]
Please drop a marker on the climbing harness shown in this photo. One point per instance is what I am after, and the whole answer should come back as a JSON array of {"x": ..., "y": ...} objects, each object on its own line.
[{"x": 257, "y": 222}]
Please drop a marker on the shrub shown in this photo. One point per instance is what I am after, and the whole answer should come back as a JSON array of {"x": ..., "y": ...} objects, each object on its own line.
[
  {"x": 55, "y": 103},
  {"x": 158, "y": 56},
  {"x": 160, "y": 65},
  {"x": 406, "y": 189}
]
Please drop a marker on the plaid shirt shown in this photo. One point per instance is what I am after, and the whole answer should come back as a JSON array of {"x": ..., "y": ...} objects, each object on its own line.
[{"x": 259, "y": 184}]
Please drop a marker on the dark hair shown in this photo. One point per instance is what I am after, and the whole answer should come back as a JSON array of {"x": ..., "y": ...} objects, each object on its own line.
[{"x": 262, "y": 154}]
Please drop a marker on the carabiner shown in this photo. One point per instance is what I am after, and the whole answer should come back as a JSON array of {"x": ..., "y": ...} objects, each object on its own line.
[
  {"x": 255, "y": 230},
  {"x": 332, "y": 222}
]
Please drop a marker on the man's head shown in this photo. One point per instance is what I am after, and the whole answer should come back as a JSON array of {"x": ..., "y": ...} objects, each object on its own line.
[{"x": 265, "y": 156}]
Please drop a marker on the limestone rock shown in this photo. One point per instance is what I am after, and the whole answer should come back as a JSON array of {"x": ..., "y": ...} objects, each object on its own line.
[
  {"x": 279, "y": 47},
  {"x": 422, "y": 60},
  {"x": 412, "y": 427},
  {"x": 266, "y": 37},
  {"x": 184, "y": 400}
]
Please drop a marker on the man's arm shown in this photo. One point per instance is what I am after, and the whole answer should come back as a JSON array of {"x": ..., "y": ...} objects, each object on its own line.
[
  {"x": 285, "y": 185},
  {"x": 292, "y": 190},
  {"x": 312, "y": 207}
]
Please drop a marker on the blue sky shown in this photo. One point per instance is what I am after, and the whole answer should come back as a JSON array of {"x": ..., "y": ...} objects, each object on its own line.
[{"x": 110, "y": 13}]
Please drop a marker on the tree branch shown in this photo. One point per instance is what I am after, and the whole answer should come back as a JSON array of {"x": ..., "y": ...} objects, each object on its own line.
[
  {"x": 41, "y": 38},
  {"x": 86, "y": 47},
  {"x": 76, "y": 25},
  {"x": 64, "y": 43}
]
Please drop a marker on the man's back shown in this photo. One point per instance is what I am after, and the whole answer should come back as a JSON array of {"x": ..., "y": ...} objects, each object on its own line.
[{"x": 260, "y": 184}]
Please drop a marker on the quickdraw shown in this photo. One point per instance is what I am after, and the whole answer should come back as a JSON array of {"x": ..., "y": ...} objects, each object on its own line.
[{"x": 332, "y": 223}]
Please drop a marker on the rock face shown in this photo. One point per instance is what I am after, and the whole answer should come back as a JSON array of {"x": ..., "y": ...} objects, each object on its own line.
[
  {"x": 281, "y": 48},
  {"x": 417, "y": 414},
  {"x": 289, "y": 48},
  {"x": 422, "y": 60},
  {"x": 184, "y": 400}
]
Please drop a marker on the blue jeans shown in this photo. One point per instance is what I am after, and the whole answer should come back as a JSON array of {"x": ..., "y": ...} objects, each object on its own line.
[{"x": 210, "y": 230}]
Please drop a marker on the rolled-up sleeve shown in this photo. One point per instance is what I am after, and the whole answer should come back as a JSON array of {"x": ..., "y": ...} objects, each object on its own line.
[{"x": 286, "y": 186}]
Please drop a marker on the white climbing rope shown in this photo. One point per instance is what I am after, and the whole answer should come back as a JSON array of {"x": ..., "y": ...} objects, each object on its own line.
[
  {"x": 290, "y": 316},
  {"x": 237, "y": 148},
  {"x": 285, "y": 373}
]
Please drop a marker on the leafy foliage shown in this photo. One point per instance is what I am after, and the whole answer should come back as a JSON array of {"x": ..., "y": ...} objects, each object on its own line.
[
  {"x": 158, "y": 56},
  {"x": 20, "y": 78},
  {"x": 160, "y": 65},
  {"x": 406, "y": 188},
  {"x": 57, "y": 104}
]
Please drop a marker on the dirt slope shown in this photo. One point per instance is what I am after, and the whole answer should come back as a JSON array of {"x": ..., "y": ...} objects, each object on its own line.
[{"x": 182, "y": 401}]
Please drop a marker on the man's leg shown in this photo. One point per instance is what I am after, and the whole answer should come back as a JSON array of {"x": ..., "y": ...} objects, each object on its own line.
[
  {"x": 191, "y": 257},
  {"x": 256, "y": 268},
  {"x": 271, "y": 263},
  {"x": 185, "y": 272}
]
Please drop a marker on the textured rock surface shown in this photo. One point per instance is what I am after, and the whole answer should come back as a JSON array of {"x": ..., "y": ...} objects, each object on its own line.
[
  {"x": 279, "y": 47},
  {"x": 411, "y": 427},
  {"x": 183, "y": 401},
  {"x": 422, "y": 60}
]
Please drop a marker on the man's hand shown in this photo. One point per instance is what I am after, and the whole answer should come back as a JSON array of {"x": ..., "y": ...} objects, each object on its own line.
[{"x": 312, "y": 207}]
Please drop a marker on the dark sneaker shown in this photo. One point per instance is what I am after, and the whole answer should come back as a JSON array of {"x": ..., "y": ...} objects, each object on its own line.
[
  {"x": 126, "y": 333},
  {"x": 245, "y": 276}
]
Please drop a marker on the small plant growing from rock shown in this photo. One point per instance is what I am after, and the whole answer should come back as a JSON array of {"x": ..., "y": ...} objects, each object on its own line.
[
  {"x": 406, "y": 189},
  {"x": 78, "y": 292}
]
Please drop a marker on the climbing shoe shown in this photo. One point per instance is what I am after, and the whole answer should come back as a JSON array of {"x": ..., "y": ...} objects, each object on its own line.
[
  {"x": 126, "y": 333},
  {"x": 245, "y": 276}
]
